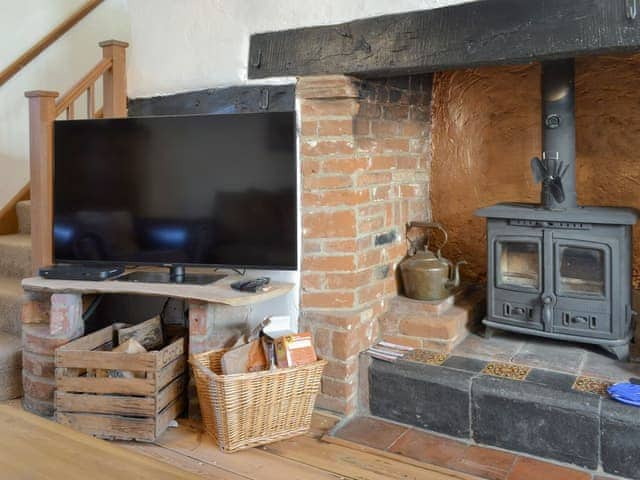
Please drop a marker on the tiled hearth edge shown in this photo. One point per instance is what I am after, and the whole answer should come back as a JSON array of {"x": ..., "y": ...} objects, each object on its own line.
[{"x": 542, "y": 415}]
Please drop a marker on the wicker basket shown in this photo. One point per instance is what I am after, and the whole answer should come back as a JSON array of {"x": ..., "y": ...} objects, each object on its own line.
[{"x": 250, "y": 409}]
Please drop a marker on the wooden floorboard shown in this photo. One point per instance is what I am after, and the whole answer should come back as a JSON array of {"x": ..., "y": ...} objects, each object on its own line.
[
  {"x": 184, "y": 462},
  {"x": 351, "y": 463},
  {"x": 306, "y": 457},
  {"x": 188, "y": 449}
]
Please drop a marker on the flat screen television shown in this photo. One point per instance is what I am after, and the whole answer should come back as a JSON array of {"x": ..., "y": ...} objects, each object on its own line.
[{"x": 201, "y": 190}]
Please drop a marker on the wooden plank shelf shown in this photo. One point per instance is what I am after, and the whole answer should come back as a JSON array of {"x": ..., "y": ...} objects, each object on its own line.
[{"x": 218, "y": 292}]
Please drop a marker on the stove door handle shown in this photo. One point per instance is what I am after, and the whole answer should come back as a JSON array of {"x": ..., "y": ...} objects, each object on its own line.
[{"x": 547, "y": 312}]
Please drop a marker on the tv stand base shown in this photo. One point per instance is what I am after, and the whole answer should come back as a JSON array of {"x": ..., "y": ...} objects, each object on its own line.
[{"x": 162, "y": 277}]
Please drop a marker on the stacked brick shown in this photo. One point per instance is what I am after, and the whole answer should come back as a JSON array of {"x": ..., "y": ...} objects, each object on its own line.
[
  {"x": 435, "y": 326},
  {"x": 365, "y": 162},
  {"x": 48, "y": 322},
  {"x": 212, "y": 326}
]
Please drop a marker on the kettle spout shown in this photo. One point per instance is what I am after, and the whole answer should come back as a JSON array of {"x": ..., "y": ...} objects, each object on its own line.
[{"x": 455, "y": 280}]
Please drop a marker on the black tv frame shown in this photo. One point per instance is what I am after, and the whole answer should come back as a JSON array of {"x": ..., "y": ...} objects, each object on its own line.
[{"x": 177, "y": 271}]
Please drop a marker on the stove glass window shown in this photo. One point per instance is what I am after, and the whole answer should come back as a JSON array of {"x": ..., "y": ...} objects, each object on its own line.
[
  {"x": 582, "y": 271},
  {"x": 519, "y": 265}
]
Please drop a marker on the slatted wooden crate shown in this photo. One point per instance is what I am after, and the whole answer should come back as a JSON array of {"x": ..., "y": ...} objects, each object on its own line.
[{"x": 119, "y": 408}]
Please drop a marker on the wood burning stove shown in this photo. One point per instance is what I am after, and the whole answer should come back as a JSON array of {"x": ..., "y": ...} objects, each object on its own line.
[{"x": 557, "y": 269}]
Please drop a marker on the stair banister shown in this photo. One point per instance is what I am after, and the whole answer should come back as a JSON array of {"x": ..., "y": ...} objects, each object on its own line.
[
  {"x": 43, "y": 111},
  {"x": 47, "y": 40}
]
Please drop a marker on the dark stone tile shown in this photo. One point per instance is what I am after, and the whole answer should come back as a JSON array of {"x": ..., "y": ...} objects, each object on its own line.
[
  {"x": 500, "y": 348},
  {"x": 467, "y": 364},
  {"x": 620, "y": 439},
  {"x": 534, "y": 419},
  {"x": 548, "y": 378},
  {"x": 429, "y": 448},
  {"x": 552, "y": 355},
  {"x": 532, "y": 469},
  {"x": 371, "y": 432},
  {"x": 599, "y": 364},
  {"x": 425, "y": 396}
]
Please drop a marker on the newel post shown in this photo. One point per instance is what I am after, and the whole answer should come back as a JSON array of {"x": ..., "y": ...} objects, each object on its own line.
[
  {"x": 115, "y": 79},
  {"x": 42, "y": 113}
]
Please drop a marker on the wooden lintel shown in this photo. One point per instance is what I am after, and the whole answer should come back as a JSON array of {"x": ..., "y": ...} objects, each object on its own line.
[
  {"x": 485, "y": 32},
  {"x": 237, "y": 99}
]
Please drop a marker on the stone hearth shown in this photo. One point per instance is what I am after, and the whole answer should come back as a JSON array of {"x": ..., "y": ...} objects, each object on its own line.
[{"x": 535, "y": 396}]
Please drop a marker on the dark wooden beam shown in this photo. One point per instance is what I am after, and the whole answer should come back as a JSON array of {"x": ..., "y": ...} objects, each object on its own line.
[
  {"x": 240, "y": 99},
  {"x": 485, "y": 32}
]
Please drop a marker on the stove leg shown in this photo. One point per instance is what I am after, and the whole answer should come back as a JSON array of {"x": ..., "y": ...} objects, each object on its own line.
[
  {"x": 488, "y": 332},
  {"x": 621, "y": 352}
]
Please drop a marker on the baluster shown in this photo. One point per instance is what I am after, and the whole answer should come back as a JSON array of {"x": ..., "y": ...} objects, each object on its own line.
[
  {"x": 70, "y": 112},
  {"x": 91, "y": 104}
]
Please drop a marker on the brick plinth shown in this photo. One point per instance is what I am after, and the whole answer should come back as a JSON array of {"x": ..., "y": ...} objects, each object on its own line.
[
  {"x": 437, "y": 326},
  {"x": 48, "y": 322},
  {"x": 212, "y": 326},
  {"x": 364, "y": 157}
]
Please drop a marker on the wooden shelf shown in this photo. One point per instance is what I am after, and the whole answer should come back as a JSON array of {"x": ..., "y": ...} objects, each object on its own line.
[{"x": 218, "y": 292}]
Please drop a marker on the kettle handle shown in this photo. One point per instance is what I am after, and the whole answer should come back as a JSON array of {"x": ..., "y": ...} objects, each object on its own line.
[{"x": 426, "y": 226}]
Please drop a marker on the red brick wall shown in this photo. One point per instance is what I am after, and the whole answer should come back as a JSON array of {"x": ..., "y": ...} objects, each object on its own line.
[{"x": 365, "y": 157}]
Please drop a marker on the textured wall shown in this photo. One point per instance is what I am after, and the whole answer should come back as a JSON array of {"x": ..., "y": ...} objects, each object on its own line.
[
  {"x": 182, "y": 46},
  {"x": 486, "y": 129}
]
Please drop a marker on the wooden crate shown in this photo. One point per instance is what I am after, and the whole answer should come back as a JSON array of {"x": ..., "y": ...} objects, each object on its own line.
[{"x": 119, "y": 408}]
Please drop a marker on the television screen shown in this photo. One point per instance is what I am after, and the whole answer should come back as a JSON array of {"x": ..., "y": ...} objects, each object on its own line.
[{"x": 212, "y": 190}]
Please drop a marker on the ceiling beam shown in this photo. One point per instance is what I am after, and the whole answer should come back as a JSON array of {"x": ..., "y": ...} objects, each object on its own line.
[{"x": 486, "y": 32}]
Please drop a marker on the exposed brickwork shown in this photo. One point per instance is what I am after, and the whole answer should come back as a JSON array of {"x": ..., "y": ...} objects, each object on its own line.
[
  {"x": 433, "y": 326},
  {"x": 41, "y": 314},
  {"x": 38, "y": 365},
  {"x": 212, "y": 326},
  {"x": 365, "y": 161},
  {"x": 66, "y": 313}
]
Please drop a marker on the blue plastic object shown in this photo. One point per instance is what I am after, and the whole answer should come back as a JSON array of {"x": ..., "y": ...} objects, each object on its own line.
[{"x": 625, "y": 392}]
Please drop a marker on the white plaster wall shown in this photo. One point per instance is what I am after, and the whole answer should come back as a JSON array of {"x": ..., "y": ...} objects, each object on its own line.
[
  {"x": 22, "y": 24},
  {"x": 188, "y": 45}
]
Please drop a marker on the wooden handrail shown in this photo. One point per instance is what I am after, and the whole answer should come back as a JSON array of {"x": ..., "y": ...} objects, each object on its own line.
[
  {"x": 83, "y": 85},
  {"x": 43, "y": 111},
  {"x": 51, "y": 37}
]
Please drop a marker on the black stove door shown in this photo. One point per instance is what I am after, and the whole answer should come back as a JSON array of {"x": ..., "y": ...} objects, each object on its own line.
[
  {"x": 518, "y": 280},
  {"x": 582, "y": 278}
]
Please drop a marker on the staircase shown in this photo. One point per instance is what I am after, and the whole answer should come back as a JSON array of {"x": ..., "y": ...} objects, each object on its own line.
[{"x": 15, "y": 264}]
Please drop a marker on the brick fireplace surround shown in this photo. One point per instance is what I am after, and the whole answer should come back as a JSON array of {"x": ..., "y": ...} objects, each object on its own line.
[{"x": 365, "y": 159}]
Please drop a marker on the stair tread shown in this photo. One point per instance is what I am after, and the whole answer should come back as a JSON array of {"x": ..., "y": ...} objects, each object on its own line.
[
  {"x": 10, "y": 287},
  {"x": 16, "y": 240},
  {"x": 9, "y": 346}
]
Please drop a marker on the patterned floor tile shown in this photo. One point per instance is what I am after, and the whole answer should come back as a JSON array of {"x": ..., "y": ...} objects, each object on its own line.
[
  {"x": 426, "y": 356},
  {"x": 592, "y": 385},
  {"x": 507, "y": 370}
]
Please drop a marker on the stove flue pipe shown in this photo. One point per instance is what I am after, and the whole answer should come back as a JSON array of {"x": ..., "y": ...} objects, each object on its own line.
[{"x": 559, "y": 129}]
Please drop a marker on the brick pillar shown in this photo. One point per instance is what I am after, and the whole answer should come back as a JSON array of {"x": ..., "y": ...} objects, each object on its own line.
[
  {"x": 364, "y": 160},
  {"x": 212, "y": 326},
  {"x": 48, "y": 322}
]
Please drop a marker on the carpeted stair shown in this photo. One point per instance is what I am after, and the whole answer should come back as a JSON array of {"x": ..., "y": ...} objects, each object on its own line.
[{"x": 15, "y": 264}]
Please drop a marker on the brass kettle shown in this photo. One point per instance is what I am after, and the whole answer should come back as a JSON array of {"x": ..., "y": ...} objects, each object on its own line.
[{"x": 425, "y": 275}]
